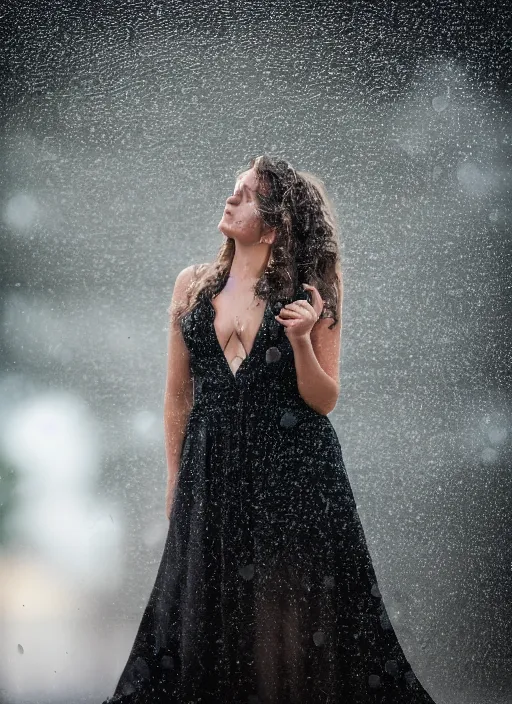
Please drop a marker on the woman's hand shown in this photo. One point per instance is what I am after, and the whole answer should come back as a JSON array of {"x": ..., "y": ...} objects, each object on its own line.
[{"x": 300, "y": 316}]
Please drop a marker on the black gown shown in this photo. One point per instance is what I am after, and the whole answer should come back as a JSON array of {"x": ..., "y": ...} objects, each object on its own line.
[{"x": 265, "y": 593}]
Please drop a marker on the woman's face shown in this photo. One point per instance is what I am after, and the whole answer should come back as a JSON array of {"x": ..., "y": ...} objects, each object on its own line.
[{"x": 241, "y": 219}]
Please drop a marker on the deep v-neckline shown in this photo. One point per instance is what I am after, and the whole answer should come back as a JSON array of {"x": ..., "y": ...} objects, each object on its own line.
[{"x": 219, "y": 346}]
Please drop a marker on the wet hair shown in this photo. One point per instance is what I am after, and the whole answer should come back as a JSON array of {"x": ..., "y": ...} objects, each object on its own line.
[{"x": 305, "y": 249}]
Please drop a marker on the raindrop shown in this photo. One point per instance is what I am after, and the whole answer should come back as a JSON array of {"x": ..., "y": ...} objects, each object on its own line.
[
  {"x": 319, "y": 638},
  {"x": 21, "y": 650},
  {"x": 385, "y": 622},
  {"x": 127, "y": 688},
  {"x": 375, "y": 591},
  {"x": 472, "y": 179},
  {"x": 21, "y": 211},
  {"x": 288, "y": 420},
  {"x": 273, "y": 354},
  {"x": 329, "y": 582},
  {"x": 374, "y": 681},
  {"x": 440, "y": 103},
  {"x": 167, "y": 662},
  {"x": 140, "y": 669},
  {"x": 489, "y": 455},
  {"x": 247, "y": 572},
  {"x": 391, "y": 667},
  {"x": 409, "y": 677},
  {"x": 497, "y": 435}
]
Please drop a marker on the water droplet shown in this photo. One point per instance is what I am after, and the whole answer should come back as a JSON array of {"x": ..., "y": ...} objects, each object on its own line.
[
  {"x": 288, "y": 420},
  {"x": 473, "y": 179},
  {"x": 391, "y": 667},
  {"x": 167, "y": 662},
  {"x": 488, "y": 455},
  {"x": 127, "y": 688},
  {"x": 247, "y": 572},
  {"x": 374, "y": 681},
  {"x": 440, "y": 103},
  {"x": 329, "y": 582},
  {"x": 319, "y": 638},
  {"x": 409, "y": 677},
  {"x": 497, "y": 435},
  {"x": 140, "y": 669},
  {"x": 385, "y": 622},
  {"x": 273, "y": 354}
]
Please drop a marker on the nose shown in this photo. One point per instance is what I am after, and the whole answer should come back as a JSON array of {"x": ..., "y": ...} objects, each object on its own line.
[{"x": 230, "y": 199}]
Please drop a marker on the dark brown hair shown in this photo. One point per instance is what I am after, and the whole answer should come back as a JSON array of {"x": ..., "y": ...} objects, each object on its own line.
[{"x": 305, "y": 249}]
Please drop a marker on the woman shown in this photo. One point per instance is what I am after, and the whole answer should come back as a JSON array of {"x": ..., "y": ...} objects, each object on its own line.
[{"x": 266, "y": 591}]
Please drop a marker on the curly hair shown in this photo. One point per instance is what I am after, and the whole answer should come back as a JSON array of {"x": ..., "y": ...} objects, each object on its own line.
[{"x": 305, "y": 249}]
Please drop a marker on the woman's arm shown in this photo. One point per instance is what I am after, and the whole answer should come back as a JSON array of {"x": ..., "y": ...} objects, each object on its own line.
[
  {"x": 178, "y": 398},
  {"x": 317, "y": 358},
  {"x": 317, "y": 388}
]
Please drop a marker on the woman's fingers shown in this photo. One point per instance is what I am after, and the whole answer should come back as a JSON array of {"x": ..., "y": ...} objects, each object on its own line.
[
  {"x": 291, "y": 310},
  {"x": 302, "y": 309}
]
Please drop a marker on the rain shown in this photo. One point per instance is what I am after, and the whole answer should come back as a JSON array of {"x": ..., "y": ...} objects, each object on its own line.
[{"x": 124, "y": 128}]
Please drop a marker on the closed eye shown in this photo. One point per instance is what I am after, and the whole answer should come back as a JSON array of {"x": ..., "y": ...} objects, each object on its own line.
[{"x": 240, "y": 192}]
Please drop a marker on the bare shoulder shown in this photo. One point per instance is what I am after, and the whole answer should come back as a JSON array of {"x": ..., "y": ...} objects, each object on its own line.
[
  {"x": 183, "y": 280},
  {"x": 188, "y": 274}
]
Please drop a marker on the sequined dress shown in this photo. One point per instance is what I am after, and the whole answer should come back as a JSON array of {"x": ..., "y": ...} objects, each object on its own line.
[{"x": 265, "y": 593}]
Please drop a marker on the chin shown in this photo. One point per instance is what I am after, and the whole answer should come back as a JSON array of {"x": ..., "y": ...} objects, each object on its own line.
[{"x": 225, "y": 229}]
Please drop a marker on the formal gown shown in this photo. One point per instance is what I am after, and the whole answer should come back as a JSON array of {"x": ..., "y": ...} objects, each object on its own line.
[{"x": 265, "y": 593}]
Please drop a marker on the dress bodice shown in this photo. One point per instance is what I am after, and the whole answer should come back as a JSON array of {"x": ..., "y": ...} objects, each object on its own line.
[{"x": 267, "y": 376}]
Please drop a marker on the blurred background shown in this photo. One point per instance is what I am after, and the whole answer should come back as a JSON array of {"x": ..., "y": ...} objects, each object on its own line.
[{"x": 123, "y": 126}]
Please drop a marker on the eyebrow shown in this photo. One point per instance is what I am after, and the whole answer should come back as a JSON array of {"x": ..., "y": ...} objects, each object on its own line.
[{"x": 248, "y": 189}]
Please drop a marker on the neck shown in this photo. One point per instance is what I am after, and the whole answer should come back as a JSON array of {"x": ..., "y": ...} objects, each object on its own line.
[{"x": 249, "y": 263}]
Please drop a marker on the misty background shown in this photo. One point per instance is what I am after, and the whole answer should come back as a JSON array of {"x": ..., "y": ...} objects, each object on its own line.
[{"x": 123, "y": 126}]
